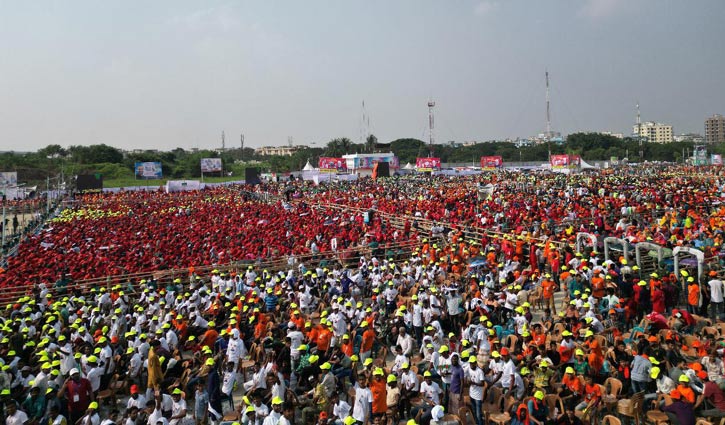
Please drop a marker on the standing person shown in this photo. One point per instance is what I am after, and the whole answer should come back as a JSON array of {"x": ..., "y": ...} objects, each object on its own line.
[
  {"x": 476, "y": 379},
  {"x": 213, "y": 389},
  {"x": 716, "y": 296},
  {"x": 456, "y": 389},
  {"x": 363, "y": 400},
  {"x": 549, "y": 287},
  {"x": 78, "y": 392},
  {"x": 154, "y": 372}
]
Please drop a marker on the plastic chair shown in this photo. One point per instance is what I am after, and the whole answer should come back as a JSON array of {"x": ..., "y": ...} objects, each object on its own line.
[
  {"x": 553, "y": 401},
  {"x": 632, "y": 407},
  {"x": 504, "y": 417},
  {"x": 612, "y": 420},
  {"x": 464, "y": 413},
  {"x": 496, "y": 405}
]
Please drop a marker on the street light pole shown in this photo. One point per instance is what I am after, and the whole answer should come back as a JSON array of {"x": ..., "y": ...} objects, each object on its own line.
[
  {"x": 47, "y": 193},
  {"x": 2, "y": 248}
]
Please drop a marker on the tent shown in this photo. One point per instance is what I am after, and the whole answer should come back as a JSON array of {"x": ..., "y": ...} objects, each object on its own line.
[
  {"x": 408, "y": 166},
  {"x": 308, "y": 167}
]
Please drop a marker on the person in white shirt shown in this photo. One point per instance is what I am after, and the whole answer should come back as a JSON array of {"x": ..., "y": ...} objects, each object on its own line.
[
  {"x": 178, "y": 409},
  {"x": 429, "y": 390},
  {"x": 476, "y": 379},
  {"x": 363, "y": 399},
  {"x": 405, "y": 341},
  {"x": 716, "y": 295},
  {"x": 136, "y": 399},
  {"x": 95, "y": 372},
  {"x": 14, "y": 416}
]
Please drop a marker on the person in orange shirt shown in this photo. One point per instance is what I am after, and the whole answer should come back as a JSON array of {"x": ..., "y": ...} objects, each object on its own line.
[
  {"x": 693, "y": 295},
  {"x": 598, "y": 286},
  {"x": 549, "y": 286},
  {"x": 347, "y": 346},
  {"x": 210, "y": 336},
  {"x": 571, "y": 386},
  {"x": 683, "y": 387},
  {"x": 379, "y": 390},
  {"x": 596, "y": 357},
  {"x": 592, "y": 396},
  {"x": 298, "y": 320},
  {"x": 368, "y": 338},
  {"x": 323, "y": 340}
]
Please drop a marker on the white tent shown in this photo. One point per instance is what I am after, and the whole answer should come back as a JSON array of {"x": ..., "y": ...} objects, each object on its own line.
[
  {"x": 308, "y": 167},
  {"x": 408, "y": 166}
]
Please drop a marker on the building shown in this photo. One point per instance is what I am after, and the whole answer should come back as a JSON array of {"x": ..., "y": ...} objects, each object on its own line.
[
  {"x": 715, "y": 129},
  {"x": 278, "y": 150},
  {"x": 689, "y": 137},
  {"x": 653, "y": 132}
]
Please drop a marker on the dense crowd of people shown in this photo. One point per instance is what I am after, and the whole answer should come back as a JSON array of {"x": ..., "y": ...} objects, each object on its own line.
[{"x": 511, "y": 326}]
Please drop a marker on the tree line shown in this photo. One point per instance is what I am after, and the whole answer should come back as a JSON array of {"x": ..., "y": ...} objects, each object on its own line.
[{"x": 179, "y": 163}]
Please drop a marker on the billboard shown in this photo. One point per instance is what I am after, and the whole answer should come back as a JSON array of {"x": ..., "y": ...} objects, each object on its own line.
[
  {"x": 148, "y": 170},
  {"x": 331, "y": 165},
  {"x": 367, "y": 162},
  {"x": 427, "y": 164},
  {"x": 211, "y": 165},
  {"x": 559, "y": 161},
  {"x": 699, "y": 155},
  {"x": 716, "y": 159},
  {"x": 9, "y": 178},
  {"x": 491, "y": 162}
]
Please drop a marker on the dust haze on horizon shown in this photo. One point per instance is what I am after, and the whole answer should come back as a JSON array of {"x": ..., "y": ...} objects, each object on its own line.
[{"x": 167, "y": 74}]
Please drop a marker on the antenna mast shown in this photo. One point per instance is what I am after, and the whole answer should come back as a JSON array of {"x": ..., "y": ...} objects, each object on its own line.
[
  {"x": 431, "y": 105},
  {"x": 223, "y": 143},
  {"x": 548, "y": 111},
  {"x": 639, "y": 133},
  {"x": 241, "y": 138}
]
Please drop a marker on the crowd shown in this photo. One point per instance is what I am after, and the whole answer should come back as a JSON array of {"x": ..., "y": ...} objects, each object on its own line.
[{"x": 517, "y": 328}]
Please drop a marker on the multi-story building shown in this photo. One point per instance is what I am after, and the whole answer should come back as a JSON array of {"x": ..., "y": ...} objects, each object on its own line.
[
  {"x": 715, "y": 129},
  {"x": 653, "y": 132}
]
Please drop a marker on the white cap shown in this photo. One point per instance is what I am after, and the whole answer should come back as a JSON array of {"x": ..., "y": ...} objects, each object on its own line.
[
  {"x": 437, "y": 412},
  {"x": 73, "y": 371}
]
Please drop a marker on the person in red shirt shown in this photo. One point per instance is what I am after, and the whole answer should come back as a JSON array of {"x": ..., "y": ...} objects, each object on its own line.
[
  {"x": 592, "y": 396},
  {"x": 549, "y": 286},
  {"x": 79, "y": 394}
]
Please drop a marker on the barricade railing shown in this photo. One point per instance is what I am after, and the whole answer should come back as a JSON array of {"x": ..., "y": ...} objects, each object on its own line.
[{"x": 162, "y": 277}]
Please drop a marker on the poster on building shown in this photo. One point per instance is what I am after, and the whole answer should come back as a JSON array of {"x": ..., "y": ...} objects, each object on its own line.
[
  {"x": 148, "y": 170},
  {"x": 331, "y": 165},
  {"x": 716, "y": 159},
  {"x": 490, "y": 163},
  {"x": 559, "y": 161},
  {"x": 9, "y": 178},
  {"x": 426, "y": 165},
  {"x": 211, "y": 165}
]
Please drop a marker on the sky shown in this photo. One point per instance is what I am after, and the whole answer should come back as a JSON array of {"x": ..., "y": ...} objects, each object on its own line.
[{"x": 166, "y": 74}]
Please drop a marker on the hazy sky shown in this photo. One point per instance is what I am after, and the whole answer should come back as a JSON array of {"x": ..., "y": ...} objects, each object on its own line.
[{"x": 165, "y": 74}]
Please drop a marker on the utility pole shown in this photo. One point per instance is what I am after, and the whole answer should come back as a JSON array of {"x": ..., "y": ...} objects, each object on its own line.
[
  {"x": 223, "y": 142},
  {"x": 431, "y": 105},
  {"x": 241, "y": 138},
  {"x": 639, "y": 134},
  {"x": 548, "y": 115}
]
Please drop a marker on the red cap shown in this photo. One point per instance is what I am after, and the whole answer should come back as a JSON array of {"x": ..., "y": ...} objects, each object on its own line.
[
  {"x": 134, "y": 389},
  {"x": 505, "y": 351},
  {"x": 323, "y": 415},
  {"x": 114, "y": 339}
]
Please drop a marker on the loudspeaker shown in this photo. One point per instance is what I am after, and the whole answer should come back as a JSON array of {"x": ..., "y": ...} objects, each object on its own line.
[
  {"x": 86, "y": 182},
  {"x": 251, "y": 176},
  {"x": 383, "y": 169}
]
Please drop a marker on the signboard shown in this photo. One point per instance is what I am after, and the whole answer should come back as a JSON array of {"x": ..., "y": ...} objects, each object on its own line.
[
  {"x": 716, "y": 159},
  {"x": 182, "y": 185},
  {"x": 559, "y": 161},
  {"x": 148, "y": 170},
  {"x": 211, "y": 165},
  {"x": 699, "y": 155},
  {"x": 9, "y": 178},
  {"x": 331, "y": 165},
  {"x": 367, "y": 162},
  {"x": 427, "y": 164},
  {"x": 491, "y": 162}
]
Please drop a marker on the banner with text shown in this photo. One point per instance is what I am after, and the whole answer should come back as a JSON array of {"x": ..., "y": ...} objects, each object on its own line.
[
  {"x": 491, "y": 162},
  {"x": 331, "y": 165},
  {"x": 148, "y": 170},
  {"x": 9, "y": 178},
  {"x": 716, "y": 159},
  {"x": 427, "y": 164},
  {"x": 211, "y": 165}
]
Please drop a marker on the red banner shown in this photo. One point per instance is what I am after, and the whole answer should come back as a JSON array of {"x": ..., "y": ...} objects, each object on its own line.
[
  {"x": 428, "y": 164},
  {"x": 491, "y": 162},
  {"x": 331, "y": 165},
  {"x": 565, "y": 161}
]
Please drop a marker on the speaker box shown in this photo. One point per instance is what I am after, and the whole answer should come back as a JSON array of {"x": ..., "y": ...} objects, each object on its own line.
[
  {"x": 251, "y": 176},
  {"x": 383, "y": 169},
  {"x": 86, "y": 182}
]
